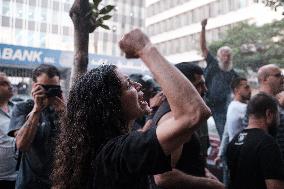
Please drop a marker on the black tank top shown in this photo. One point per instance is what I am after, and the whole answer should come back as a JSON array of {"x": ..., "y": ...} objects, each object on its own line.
[{"x": 191, "y": 161}]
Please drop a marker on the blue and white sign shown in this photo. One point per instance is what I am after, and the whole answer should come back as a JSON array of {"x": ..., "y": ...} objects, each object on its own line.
[
  {"x": 11, "y": 54},
  {"x": 21, "y": 56}
]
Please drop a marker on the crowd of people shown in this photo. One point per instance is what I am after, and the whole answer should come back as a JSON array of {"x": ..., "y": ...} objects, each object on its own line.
[{"x": 137, "y": 131}]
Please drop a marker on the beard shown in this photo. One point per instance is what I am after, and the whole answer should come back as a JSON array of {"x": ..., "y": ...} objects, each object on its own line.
[
  {"x": 246, "y": 98},
  {"x": 222, "y": 67}
]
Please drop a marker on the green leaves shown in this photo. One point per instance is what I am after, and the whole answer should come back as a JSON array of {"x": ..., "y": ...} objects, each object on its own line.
[
  {"x": 274, "y": 4},
  {"x": 106, "y": 9},
  {"x": 106, "y": 17},
  {"x": 96, "y": 4},
  {"x": 97, "y": 16},
  {"x": 105, "y": 26}
]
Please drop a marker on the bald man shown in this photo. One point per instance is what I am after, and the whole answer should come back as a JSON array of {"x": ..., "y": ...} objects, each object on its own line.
[
  {"x": 270, "y": 79},
  {"x": 271, "y": 82}
]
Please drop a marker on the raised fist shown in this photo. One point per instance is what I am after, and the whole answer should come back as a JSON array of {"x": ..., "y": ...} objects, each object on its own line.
[
  {"x": 204, "y": 22},
  {"x": 133, "y": 42}
]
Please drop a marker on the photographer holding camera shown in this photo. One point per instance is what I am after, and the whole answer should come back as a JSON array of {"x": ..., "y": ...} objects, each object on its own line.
[{"x": 34, "y": 124}]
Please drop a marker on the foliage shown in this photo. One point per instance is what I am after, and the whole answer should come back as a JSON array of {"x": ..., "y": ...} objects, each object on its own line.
[
  {"x": 254, "y": 46},
  {"x": 97, "y": 16},
  {"x": 274, "y": 3}
]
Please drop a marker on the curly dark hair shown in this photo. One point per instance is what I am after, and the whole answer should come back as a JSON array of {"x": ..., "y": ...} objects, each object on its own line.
[{"x": 92, "y": 117}]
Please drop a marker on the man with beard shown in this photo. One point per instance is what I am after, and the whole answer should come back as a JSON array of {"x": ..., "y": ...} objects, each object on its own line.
[
  {"x": 219, "y": 74},
  {"x": 254, "y": 158},
  {"x": 237, "y": 108},
  {"x": 189, "y": 160},
  {"x": 271, "y": 82},
  {"x": 235, "y": 115}
]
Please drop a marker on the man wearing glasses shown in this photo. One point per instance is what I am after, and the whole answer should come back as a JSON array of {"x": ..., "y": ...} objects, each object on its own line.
[
  {"x": 271, "y": 82},
  {"x": 7, "y": 144}
]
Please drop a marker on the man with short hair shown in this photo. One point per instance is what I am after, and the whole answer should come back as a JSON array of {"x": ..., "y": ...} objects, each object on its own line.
[
  {"x": 35, "y": 124},
  {"x": 7, "y": 144},
  {"x": 253, "y": 156},
  {"x": 270, "y": 79},
  {"x": 237, "y": 108},
  {"x": 235, "y": 115},
  {"x": 219, "y": 74},
  {"x": 271, "y": 82},
  {"x": 189, "y": 161}
]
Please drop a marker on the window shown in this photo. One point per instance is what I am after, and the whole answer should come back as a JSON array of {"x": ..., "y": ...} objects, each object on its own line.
[
  {"x": 44, "y": 3},
  {"x": 243, "y": 3},
  {"x": 43, "y": 27},
  {"x": 105, "y": 37},
  {"x": 20, "y": 1},
  {"x": 32, "y": 2},
  {"x": 65, "y": 30},
  {"x": 6, "y": 11},
  {"x": 55, "y": 5},
  {"x": 31, "y": 25},
  {"x": 18, "y": 23},
  {"x": 6, "y": 21},
  {"x": 66, "y": 7},
  {"x": 54, "y": 28}
]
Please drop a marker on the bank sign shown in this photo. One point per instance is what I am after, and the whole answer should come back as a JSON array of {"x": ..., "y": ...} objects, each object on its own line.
[
  {"x": 21, "y": 56},
  {"x": 11, "y": 54}
]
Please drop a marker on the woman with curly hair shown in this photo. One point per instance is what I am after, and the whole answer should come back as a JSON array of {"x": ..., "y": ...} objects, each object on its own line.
[{"x": 95, "y": 149}]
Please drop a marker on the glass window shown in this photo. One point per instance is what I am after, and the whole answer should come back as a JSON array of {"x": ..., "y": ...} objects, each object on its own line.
[
  {"x": 19, "y": 10},
  {"x": 195, "y": 16},
  {"x": 105, "y": 37},
  {"x": 66, "y": 7},
  {"x": 43, "y": 15},
  {"x": 20, "y": 1},
  {"x": 54, "y": 28},
  {"x": 243, "y": 3},
  {"x": 32, "y": 2},
  {"x": 188, "y": 19},
  {"x": 18, "y": 23},
  {"x": 31, "y": 25},
  {"x": 65, "y": 30},
  {"x": 6, "y": 21},
  {"x": 55, "y": 5},
  {"x": 32, "y": 13},
  {"x": 30, "y": 38},
  {"x": 6, "y": 10},
  {"x": 42, "y": 40},
  {"x": 43, "y": 27},
  {"x": 44, "y": 3}
]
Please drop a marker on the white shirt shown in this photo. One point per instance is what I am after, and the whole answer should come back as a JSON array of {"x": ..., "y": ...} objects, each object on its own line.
[{"x": 235, "y": 115}]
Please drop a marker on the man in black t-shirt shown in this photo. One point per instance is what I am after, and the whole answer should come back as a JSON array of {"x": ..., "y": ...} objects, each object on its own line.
[
  {"x": 253, "y": 157},
  {"x": 189, "y": 160}
]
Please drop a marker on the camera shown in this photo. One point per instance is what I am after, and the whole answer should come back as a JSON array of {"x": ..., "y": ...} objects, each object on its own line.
[{"x": 52, "y": 90}]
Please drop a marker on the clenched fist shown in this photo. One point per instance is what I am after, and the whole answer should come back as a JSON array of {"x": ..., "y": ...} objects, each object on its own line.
[
  {"x": 133, "y": 42},
  {"x": 204, "y": 23}
]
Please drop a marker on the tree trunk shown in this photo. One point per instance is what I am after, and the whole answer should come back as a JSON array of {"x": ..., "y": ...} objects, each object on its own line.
[{"x": 81, "y": 37}]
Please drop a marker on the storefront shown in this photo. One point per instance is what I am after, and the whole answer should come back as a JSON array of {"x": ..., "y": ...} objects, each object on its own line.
[{"x": 19, "y": 61}]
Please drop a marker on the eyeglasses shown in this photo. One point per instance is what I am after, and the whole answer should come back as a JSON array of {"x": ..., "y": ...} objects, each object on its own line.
[{"x": 278, "y": 75}]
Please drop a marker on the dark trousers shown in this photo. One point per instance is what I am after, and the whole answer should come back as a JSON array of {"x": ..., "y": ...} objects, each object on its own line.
[{"x": 5, "y": 184}]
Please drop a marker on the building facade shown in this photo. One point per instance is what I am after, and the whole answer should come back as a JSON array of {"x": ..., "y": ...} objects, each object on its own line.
[
  {"x": 127, "y": 15},
  {"x": 36, "y": 23},
  {"x": 174, "y": 26},
  {"x": 30, "y": 28},
  {"x": 46, "y": 24}
]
